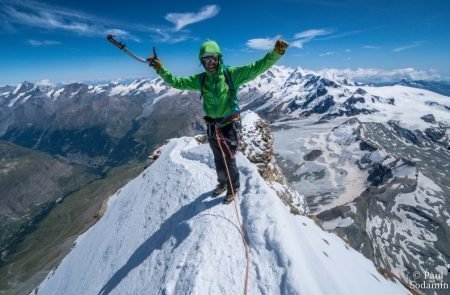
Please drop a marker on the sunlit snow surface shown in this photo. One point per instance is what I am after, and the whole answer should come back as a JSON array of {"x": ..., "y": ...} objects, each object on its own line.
[{"x": 163, "y": 233}]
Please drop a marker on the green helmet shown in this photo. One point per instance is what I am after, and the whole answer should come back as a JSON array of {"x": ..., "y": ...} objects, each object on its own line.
[{"x": 209, "y": 47}]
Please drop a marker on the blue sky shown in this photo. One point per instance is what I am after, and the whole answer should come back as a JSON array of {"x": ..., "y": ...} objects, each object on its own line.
[{"x": 381, "y": 40}]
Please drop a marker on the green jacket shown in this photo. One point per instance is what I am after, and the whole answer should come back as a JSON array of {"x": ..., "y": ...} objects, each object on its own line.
[{"x": 218, "y": 101}]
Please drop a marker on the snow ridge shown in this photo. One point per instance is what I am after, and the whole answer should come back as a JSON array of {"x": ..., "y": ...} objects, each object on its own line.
[{"x": 164, "y": 234}]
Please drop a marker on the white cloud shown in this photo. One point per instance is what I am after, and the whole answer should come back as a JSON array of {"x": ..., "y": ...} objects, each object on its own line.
[
  {"x": 297, "y": 43},
  {"x": 39, "y": 15},
  {"x": 340, "y": 35},
  {"x": 263, "y": 43},
  {"x": 169, "y": 36},
  {"x": 117, "y": 32},
  {"x": 327, "y": 53},
  {"x": 307, "y": 36},
  {"x": 298, "y": 40},
  {"x": 412, "y": 45},
  {"x": 381, "y": 75},
  {"x": 348, "y": 50},
  {"x": 37, "y": 43},
  {"x": 371, "y": 47},
  {"x": 183, "y": 19},
  {"x": 312, "y": 33}
]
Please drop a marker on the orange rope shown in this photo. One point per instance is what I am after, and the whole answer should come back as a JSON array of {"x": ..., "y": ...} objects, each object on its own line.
[{"x": 246, "y": 248}]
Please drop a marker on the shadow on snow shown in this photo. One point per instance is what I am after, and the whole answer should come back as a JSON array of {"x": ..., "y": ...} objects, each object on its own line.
[{"x": 175, "y": 226}]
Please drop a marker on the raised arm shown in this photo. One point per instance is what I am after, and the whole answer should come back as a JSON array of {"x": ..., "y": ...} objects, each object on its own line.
[
  {"x": 183, "y": 83},
  {"x": 241, "y": 75}
]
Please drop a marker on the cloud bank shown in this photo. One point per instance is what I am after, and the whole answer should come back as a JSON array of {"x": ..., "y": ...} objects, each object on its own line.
[{"x": 380, "y": 75}]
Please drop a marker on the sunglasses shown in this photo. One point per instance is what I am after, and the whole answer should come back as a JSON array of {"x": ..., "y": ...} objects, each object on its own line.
[{"x": 207, "y": 59}]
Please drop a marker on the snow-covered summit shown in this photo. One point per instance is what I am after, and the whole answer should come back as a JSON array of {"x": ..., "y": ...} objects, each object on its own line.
[{"x": 163, "y": 233}]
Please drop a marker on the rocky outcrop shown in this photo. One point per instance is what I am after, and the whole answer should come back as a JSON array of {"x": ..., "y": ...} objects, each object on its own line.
[
  {"x": 379, "y": 174},
  {"x": 429, "y": 118},
  {"x": 257, "y": 146}
]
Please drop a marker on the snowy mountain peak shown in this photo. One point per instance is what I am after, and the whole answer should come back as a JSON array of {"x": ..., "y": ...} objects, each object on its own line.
[
  {"x": 23, "y": 87},
  {"x": 21, "y": 93},
  {"x": 164, "y": 234},
  {"x": 308, "y": 80},
  {"x": 139, "y": 86},
  {"x": 294, "y": 77}
]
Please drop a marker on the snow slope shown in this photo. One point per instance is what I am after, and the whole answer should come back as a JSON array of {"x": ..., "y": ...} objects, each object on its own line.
[{"x": 163, "y": 234}]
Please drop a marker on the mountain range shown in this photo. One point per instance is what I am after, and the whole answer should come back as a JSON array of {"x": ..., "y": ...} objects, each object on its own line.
[{"x": 368, "y": 163}]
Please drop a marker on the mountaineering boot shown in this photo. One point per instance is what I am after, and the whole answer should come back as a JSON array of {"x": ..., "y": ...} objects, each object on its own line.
[
  {"x": 220, "y": 188},
  {"x": 229, "y": 197}
]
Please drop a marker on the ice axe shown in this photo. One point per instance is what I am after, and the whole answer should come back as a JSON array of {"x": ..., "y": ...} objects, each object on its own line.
[{"x": 123, "y": 47}]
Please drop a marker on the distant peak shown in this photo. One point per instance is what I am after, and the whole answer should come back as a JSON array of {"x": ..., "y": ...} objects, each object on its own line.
[
  {"x": 360, "y": 91},
  {"x": 23, "y": 87}
]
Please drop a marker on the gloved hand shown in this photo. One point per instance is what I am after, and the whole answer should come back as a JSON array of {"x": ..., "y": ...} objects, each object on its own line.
[
  {"x": 154, "y": 63},
  {"x": 280, "y": 47}
]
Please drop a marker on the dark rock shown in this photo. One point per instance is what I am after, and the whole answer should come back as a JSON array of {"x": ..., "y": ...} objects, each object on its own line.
[
  {"x": 360, "y": 91},
  {"x": 324, "y": 105},
  {"x": 429, "y": 118},
  {"x": 320, "y": 108},
  {"x": 312, "y": 80},
  {"x": 379, "y": 174},
  {"x": 364, "y": 146},
  {"x": 312, "y": 155},
  {"x": 435, "y": 134},
  {"x": 354, "y": 99},
  {"x": 313, "y": 96},
  {"x": 328, "y": 83}
]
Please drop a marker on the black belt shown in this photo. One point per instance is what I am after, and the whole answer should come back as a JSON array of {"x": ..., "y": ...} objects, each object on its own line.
[{"x": 221, "y": 120}]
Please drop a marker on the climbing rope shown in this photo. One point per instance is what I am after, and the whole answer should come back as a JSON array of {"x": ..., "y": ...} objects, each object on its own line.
[{"x": 241, "y": 230}]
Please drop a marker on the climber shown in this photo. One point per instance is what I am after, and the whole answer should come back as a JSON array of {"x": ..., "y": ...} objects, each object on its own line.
[{"x": 218, "y": 86}]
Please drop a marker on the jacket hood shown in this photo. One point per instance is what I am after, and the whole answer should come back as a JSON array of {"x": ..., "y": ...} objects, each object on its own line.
[{"x": 209, "y": 47}]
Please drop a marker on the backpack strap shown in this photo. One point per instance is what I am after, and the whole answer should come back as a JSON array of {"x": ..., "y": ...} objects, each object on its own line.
[
  {"x": 202, "y": 82},
  {"x": 234, "y": 100},
  {"x": 229, "y": 81}
]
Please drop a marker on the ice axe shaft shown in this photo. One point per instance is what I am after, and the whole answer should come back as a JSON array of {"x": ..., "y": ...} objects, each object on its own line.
[{"x": 123, "y": 47}]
